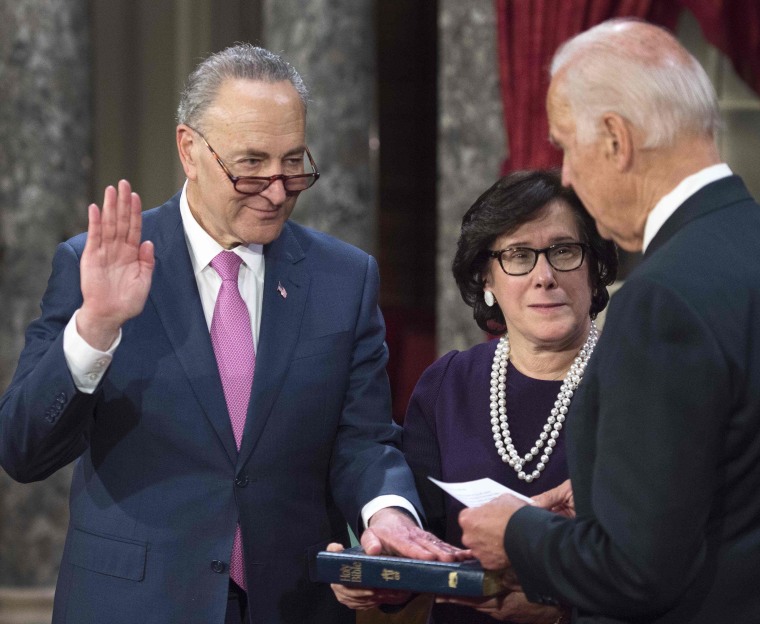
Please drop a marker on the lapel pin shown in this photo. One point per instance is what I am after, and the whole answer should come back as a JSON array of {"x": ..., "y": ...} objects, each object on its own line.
[{"x": 282, "y": 291}]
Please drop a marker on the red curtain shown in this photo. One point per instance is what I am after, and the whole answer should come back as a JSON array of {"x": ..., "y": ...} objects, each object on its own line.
[
  {"x": 530, "y": 31},
  {"x": 732, "y": 26}
]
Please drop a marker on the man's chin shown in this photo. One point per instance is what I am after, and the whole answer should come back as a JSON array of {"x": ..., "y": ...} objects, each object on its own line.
[
  {"x": 603, "y": 231},
  {"x": 263, "y": 234}
]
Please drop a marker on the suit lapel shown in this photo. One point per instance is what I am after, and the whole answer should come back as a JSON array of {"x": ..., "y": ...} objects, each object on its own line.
[
  {"x": 282, "y": 311},
  {"x": 174, "y": 294},
  {"x": 714, "y": 196}
]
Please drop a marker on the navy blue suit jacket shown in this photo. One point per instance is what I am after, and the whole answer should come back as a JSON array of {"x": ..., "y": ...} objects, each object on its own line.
[
  {"x": 664, "y": 437},
  {"x": 158, "y": 484}
]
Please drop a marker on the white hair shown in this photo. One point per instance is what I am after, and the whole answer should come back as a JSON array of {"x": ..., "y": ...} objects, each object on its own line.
[{"x": 640, "y": 72}]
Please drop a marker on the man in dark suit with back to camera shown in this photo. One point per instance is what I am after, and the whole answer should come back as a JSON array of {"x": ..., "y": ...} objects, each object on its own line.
[
  {"x": 664, "y": 432},
  {"x": 218, "y": 374}
]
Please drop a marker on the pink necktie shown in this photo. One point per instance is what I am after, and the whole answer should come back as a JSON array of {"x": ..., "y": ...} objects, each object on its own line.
[{"x": 232, "y": 341}]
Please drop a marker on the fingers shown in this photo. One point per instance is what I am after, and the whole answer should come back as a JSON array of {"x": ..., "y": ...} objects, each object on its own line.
[
  {"x": 128, "y": 217},
  {"x": 443, "y": 551},
  {"x": 123, "y": 214},
  {"x": 134, "y": 231},
  {"x": 120, "y": 219},
  {"x": 93, "y": 227},
  {"x": 146, "y": 255},
  {"x": 354, "y": 597},
  {"x": 334, "y": 547},
  {"x": 559, "y": 499},
  {"x": 465, "y": 601},
  {"x": 412, "y": 542},
  {"x": 99, "y": 224},
  {"x": 108, "y": 214},
  {"x": 371, "y": 543},
  {"x": 362, "y": 598},
  {"x": 546, "y": 500},
  {"x": 389, "y": 596}
]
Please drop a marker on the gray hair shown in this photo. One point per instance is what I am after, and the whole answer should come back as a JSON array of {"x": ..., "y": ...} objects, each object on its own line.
[
  {"x": 640, "y": 72},
  {"x": 241, "y": 61}
]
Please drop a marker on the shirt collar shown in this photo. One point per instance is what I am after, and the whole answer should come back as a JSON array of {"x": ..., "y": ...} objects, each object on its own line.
[
  {"x": 669, "y": 203},
  {"x": 203, "y": 248}
]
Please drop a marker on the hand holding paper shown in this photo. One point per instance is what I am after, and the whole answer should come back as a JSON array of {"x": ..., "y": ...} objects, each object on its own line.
[
  {"x": 491, "y": 505},
  {"x": 478, "y": 492}
]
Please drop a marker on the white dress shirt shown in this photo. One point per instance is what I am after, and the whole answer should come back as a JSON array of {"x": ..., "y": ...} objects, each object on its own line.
[{"x": 685, "y": 189}]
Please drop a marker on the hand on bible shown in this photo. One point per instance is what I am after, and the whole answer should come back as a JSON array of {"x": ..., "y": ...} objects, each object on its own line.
[
  {"x": 392, "y": 532},
  {"x": 361, "y": 598}
]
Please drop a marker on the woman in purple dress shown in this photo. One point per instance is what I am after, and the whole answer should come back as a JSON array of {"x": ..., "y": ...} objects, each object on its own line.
[
  {"x": 535, "y": 270},
  {"x": 532, "y": 265}
]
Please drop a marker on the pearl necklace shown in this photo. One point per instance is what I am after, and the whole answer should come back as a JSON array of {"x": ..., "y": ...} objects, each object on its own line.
[{"x": 550, "y": 433}]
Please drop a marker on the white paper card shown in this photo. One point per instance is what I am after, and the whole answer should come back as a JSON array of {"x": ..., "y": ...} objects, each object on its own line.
[{"x": 478, "y": 492}]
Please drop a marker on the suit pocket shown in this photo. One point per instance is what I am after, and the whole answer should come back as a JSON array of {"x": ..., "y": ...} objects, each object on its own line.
[
  {"x": 108, "y": 555},
  {"x": 324, "y": 344}
]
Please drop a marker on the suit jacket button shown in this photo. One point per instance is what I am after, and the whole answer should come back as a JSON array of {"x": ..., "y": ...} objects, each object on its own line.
[
  {"x": 218, "y": 566},
  {"x": 242, "y": 480}
]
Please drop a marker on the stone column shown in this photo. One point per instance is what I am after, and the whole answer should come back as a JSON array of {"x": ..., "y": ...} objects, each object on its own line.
[
  {"x": 471, "y": 145},
  {"x": 44, "y": 168},
  {"x": 331, "y": 44}
]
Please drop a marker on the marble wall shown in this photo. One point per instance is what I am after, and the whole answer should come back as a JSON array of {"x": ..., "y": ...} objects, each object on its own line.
[
  {"x": 331, "y": 43},
  {"x": 44, "y": 166},
  {"x": 471, "y": 146}
]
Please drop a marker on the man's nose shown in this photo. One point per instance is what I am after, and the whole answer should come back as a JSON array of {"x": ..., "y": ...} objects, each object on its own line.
[{"x": 275, "y": 192}]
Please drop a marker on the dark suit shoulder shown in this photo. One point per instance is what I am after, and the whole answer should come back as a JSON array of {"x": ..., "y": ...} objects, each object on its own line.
[
  {"x": 162, "y": 220},
  {"x": 711, "y": 256},
  {"x": 313, "y": 241}
]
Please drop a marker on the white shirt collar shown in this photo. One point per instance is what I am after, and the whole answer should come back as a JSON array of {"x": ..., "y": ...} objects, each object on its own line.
[
  {"x": 669, "y": 203},
  {"x": 203, "y": 248}
]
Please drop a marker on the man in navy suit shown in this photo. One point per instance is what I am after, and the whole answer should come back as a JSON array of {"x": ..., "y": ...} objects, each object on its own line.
[
  {"x": 119, "y": 373},
  {"x": 664, "y": 431}
]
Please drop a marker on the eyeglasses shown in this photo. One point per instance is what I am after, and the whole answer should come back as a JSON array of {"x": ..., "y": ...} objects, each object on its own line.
[
  {"x": 522, "y": 260},
  {"x": 253, "y": 185}
]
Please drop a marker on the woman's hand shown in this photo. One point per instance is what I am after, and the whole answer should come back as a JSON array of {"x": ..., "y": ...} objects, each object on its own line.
[
  {"x": 513, "y": 607},
  {"x": 559, "y": 500},
  {"x": 361, "y": 598}
]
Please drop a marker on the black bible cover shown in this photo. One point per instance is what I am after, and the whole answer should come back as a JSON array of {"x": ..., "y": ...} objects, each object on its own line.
[{"x": 353, "y": 567}]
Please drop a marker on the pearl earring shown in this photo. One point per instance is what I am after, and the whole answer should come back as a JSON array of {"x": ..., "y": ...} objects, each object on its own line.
[{"x": 489, "y": 298}]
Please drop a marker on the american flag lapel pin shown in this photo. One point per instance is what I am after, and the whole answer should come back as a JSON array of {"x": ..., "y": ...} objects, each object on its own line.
[{"x": 282, "y": 291}]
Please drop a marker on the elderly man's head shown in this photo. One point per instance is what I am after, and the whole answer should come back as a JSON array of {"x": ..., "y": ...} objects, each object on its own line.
[
  {"x": 625, "y": 99},
  {"x": 241, "y": 139}
]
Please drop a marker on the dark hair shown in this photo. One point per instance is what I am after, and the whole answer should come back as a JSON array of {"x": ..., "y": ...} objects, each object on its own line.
[{"x": 513, "y": 201}]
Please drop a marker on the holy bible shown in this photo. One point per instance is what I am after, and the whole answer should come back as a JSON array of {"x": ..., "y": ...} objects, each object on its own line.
[{"x": 353, "y": 567}]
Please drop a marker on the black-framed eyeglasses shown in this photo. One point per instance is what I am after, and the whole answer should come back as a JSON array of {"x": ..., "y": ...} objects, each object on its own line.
[
  {"x": 253, "y": 185},
  {"x": 522, "y": 260}
]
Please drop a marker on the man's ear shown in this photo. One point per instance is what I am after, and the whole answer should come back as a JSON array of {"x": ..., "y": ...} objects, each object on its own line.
[
  {"x": 618, "y": 140},
  {"x": 187, "y": 154}
]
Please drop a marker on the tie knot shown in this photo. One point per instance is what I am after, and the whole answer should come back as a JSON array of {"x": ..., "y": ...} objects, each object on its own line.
[{"x": 227, "y": 265}]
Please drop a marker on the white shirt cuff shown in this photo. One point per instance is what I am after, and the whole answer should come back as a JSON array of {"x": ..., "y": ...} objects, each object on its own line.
[
  {"x": 87, "y": 365},
  {"x": 387, "y": 500}
]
